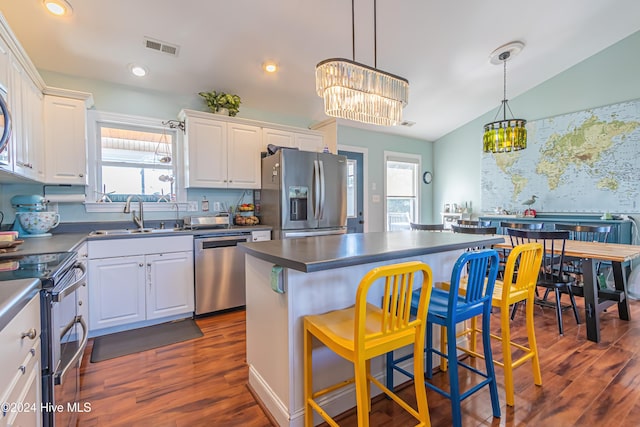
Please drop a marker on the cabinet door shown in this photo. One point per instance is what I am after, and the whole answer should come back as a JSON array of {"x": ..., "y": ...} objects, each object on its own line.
[
  {"x": 170, "y": 287},
  {"x": 206, "y": 160},
  {"x": 33, "y": 133},
  {"x": 27, "y": 394},
  {"x": 14, "y": 100},
  {"x": 4, "y": 65},
  {"x": 243, "y": 156},
  {"x": 309, "y": 142},
  {"x": 116, "y": 291},
  {"x": 65, "y": 140},
  {"x": 279, "y": 138}
]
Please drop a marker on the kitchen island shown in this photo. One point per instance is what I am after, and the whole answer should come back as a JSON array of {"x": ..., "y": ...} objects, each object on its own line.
[{"x": 289, "y": 279}]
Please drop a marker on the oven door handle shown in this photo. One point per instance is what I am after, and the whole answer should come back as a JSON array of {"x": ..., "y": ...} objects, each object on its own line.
[
  {"x": 57, "y": 377},
  {"x": 59, "y": 295}
]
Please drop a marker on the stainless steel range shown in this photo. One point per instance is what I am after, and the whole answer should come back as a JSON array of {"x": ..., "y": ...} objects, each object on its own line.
[{"x": 64, "y": 332}]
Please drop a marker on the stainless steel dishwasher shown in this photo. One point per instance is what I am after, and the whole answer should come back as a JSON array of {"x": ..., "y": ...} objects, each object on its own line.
[{"x": 219, "y": 271}]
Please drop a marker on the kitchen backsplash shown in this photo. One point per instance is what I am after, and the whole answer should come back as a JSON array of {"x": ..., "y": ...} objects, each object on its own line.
[{"x": 76, "y": 212}]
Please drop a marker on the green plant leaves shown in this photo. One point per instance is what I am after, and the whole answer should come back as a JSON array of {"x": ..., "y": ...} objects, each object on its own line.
[{"x": 217, "y": 100}]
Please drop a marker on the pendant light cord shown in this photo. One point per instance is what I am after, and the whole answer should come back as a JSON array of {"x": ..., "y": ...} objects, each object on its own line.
[
  {"x": 375, "y": 36},
  {"x": 505, "y": 91},
  {"x": 353, "y": 30},
  {"x": 375, "y": 33}
]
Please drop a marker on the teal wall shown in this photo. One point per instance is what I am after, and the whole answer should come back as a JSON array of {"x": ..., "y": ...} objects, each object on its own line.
[
  {"x": 608, "y": 77},
  {"x": 377, "y": 143}
]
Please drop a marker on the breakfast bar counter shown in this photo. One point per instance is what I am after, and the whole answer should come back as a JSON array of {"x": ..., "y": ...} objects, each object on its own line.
[{"x": 289, "y": 279}]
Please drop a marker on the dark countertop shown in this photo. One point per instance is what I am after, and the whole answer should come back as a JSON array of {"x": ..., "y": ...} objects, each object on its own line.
[
  {"x": 328, "y": 252},
  {"x": 63, "y": 242},
  {"x": 14, "y": 296}
]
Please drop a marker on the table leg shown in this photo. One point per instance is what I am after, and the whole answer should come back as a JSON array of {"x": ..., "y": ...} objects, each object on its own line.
[
  {"x": 590, "y": 283},
  {"x": 620, "y": 274}
]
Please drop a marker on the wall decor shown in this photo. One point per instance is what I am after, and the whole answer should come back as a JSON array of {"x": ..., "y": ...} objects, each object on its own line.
[{"x": 585, "y": 161}]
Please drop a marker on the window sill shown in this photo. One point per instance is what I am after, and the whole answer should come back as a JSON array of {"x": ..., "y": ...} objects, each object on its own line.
[{"x": 148, "y": 207}]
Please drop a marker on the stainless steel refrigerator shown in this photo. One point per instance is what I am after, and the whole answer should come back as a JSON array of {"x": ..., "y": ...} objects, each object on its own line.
[{"x": 304, "y": 193}]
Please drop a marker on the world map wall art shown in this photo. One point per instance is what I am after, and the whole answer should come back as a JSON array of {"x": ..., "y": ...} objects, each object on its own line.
[{"x": 588, "y": 161}]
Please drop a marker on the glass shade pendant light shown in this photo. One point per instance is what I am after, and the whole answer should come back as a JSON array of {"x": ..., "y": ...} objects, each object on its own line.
[
  {"x": 505, "y": 135},
  {"x": 355, "y": 91}
]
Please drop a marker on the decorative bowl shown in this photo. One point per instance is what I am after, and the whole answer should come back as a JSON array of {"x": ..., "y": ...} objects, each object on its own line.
[{"x": 38, "y": 222}]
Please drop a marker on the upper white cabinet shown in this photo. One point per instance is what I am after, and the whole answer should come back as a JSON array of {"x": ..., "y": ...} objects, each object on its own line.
[
  {"x": 219, "y": 153},
  {"x": 293, "y": 139},
  {"x": 25, "y": 104},
  {"x": 65, "y": 141}
]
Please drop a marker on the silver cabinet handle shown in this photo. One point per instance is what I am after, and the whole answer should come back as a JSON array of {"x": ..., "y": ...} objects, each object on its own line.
[
  {"x": 81, "y": 175},
  {"x": 31, "y": 334},
  {"x": 141, "y": 265}
]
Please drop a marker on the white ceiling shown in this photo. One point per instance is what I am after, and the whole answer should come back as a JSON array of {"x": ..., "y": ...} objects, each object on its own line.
[{"x": 440, "y": 46}]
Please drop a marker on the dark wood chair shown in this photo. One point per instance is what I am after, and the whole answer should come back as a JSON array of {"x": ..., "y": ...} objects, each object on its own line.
[
  {"x": 521, "y": 225},
  {"x": 426, "y": 227},
  {"x": 551, "y": 275},
  {"x": 474, "y": 230},
  {"x": 583, "y": 233},
  {"x": 473, "y": 223}
]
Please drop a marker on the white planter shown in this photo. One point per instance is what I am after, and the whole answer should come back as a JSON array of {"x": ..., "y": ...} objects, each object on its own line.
[{"x": 223, "y": 111}]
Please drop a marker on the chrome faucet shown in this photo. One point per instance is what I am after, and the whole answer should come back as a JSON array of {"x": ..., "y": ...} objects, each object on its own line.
[{"x": 138, "y": 220}]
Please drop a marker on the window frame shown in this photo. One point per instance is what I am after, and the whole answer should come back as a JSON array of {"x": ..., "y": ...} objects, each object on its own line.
[
  {"x": 95, "y": 120},
  {"x": 405, "y": 158}
]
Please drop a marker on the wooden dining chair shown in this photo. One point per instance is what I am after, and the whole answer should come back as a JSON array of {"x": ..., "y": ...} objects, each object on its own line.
[
  {"x": 474, "y": 230},
  {"x": 521, "y": 225},
  {"x": 426, "y": 227},
  {"x": 551, "y": 274},
  {"x": 473, "y": 223},
  {"x": 586, "y": 233}
]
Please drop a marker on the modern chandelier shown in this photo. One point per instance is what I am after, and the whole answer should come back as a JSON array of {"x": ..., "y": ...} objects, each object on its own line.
[
  {"x": 355, "y": 91},
  {"x": 505, "y": 135}
]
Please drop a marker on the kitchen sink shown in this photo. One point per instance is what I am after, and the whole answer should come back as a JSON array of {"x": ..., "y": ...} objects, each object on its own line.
[{"x": 125, "y": 231}]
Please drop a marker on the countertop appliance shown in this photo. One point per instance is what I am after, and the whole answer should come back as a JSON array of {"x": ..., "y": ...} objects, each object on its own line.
[
  {"x": 64, "y": 332},
  {"x": 304, "y": 193},
  {"x": 31, "y": 205}
]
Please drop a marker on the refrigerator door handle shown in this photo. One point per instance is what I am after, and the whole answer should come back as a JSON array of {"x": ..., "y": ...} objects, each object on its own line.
[
  {"x": 322, "y": 190},
  {"x": 316, "y": 189}
]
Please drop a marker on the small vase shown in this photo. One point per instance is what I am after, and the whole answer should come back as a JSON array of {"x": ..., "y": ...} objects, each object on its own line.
[{"x": 223, "y": 111}]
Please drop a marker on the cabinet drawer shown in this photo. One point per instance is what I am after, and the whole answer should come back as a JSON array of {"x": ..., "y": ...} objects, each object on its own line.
[
  {"x": 14, "y": 348},
  {"x": 139, "y": 246},
  {"x": 23, "y": 397}
]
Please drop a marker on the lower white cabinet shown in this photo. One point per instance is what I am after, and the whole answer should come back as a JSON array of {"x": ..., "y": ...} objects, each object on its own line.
[
  {"x": 138, "y": 289},
  {"x": 20, "y": 376}
]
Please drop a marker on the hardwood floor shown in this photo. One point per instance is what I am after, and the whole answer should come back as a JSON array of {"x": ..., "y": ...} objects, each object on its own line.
[{"x": 203, "y": 382}]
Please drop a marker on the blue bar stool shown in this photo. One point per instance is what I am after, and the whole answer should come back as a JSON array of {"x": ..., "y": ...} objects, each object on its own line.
[{"x": 447, "y": 309}]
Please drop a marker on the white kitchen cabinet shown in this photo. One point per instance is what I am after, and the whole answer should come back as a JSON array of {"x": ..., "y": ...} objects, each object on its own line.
[
  {"x": 165, "y": 272},
  {"x": 293, "y": 139},
  {"x": 21, "y": 378},
  {"x": 116, "y": 291},
  {"x": 65, "y": 122},
  {"x": 136, "y": 282},
  {"x": 220, "y": 154},
  {"x": 4, "y": 65}
]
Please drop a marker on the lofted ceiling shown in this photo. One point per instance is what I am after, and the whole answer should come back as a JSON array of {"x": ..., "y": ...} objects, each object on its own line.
[{"x": 441, "y": 47}]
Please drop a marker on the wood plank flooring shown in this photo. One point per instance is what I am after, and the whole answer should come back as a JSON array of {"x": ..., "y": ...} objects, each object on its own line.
[{"x": 203, "y": 382}]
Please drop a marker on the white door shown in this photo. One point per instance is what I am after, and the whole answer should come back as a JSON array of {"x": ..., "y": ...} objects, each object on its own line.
[
  {"x": 170, "y": 287},
  {"x": 116, "y": 291}
]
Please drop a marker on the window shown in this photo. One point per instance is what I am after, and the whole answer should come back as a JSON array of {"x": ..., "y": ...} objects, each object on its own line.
[
  {"x": 132, "y": 155},
  {"x": 352, "y": 185},
  {"x": 402, "y": 196}
]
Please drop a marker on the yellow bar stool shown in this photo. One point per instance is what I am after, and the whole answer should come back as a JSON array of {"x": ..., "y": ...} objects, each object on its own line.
[
  {"x": 519, "y": 284},
  {"x": 364, "y": 331}
]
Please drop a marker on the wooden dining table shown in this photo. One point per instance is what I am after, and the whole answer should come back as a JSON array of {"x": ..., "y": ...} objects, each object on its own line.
[{"x": 597, "y": 300}]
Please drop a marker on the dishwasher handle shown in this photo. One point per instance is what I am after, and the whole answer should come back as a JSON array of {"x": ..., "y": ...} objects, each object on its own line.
[{"x": 220, "y": 242}]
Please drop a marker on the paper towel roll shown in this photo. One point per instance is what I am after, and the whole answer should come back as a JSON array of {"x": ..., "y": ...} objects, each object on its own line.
[{"x": 65, "y": 198}]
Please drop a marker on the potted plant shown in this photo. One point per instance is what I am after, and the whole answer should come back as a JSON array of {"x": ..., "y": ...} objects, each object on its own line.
[{"x": 216, "y": 101}]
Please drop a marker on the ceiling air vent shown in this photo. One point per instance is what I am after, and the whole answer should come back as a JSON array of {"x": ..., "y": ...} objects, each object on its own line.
[{"x": 161, "y": 46}]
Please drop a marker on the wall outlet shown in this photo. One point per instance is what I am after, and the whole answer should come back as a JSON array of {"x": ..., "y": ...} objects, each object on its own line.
[
  {"x": 217, "y": 206},
  {"x": 192, "y": 206},
  {"x": 205, "y": 205}
]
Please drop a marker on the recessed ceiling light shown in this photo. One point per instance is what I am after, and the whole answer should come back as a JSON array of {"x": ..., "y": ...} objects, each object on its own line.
[
  {"x": 58, "y": 7},
  {"x": 270, "y": 67},
  {"x": 138, "y": 70}
]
